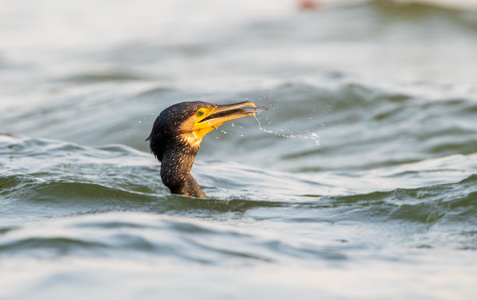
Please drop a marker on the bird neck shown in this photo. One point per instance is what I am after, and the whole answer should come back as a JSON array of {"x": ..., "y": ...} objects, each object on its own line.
[{"x": 176, "y": 165}]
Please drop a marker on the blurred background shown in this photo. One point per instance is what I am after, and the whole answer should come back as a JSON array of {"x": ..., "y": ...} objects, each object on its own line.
[{"x": 360, "y": 182}]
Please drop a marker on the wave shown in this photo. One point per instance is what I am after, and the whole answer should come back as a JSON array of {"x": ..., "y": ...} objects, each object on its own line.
[
  {"x": 413, "y": 8},
  {"x": 149, "y": 236},
  {"x": 422, "y": 6},
  {"x": 64, "y": 179}
]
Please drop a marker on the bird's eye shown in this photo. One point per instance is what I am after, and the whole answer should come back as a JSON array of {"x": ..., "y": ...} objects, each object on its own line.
[{"x": 200, "y": 113}]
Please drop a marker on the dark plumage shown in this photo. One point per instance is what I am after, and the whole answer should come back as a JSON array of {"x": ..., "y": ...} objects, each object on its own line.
[{"x": 176, "y": 136}]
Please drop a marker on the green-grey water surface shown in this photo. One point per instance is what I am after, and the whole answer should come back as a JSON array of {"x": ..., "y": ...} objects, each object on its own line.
[{"x": 360, "y": 182}]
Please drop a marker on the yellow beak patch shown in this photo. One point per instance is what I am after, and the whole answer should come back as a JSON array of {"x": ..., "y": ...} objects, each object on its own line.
[
  {"x": 201, "y": 129},
  {"x": 209, "y": 118}
]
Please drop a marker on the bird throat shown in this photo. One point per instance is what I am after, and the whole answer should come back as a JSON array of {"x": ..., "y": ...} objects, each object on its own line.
[{"x": 191, "y": 139}]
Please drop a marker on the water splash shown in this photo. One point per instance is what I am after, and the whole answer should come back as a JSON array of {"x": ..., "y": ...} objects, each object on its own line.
[
  {"x": 140, "y": 121},
  {"x": 306, "y": 135},
  {"x": 273, "y": 102},
  {"x": 225, "y": 132}
]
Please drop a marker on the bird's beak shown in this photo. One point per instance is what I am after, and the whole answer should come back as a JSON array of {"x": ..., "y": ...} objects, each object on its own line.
[{"x": 221, "y": 114}]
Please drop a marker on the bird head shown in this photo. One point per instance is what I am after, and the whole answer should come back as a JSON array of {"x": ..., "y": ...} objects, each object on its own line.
[{"x": 189, "y": 122}]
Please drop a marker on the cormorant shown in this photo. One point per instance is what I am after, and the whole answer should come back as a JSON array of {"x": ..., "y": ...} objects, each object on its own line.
[{"x": 177, "y": 133}]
